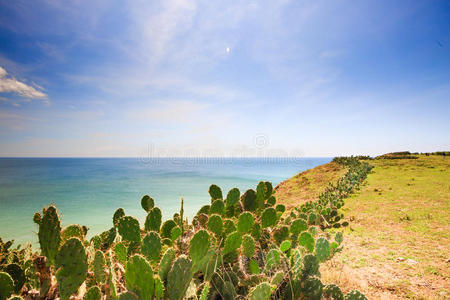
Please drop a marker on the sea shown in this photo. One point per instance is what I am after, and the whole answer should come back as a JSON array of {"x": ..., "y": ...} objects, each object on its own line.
[{"x": 87, "y": 191}]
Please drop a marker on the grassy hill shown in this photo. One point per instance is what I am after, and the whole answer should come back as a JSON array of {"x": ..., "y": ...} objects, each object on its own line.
[{"x": 398, "y": 243}]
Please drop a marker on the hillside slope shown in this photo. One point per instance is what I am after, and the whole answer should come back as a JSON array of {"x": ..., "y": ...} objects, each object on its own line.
[{"x": 398, "y": 243}]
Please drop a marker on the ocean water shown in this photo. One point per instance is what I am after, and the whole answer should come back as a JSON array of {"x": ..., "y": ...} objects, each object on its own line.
[{"x": 87, "y": 191}]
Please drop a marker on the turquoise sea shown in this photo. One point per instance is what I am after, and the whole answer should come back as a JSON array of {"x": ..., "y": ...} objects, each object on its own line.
[{"x": 87, "y": 191}]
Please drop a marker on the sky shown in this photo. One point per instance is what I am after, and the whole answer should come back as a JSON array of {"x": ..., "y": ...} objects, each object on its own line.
[{"x": 223, "y": 78}]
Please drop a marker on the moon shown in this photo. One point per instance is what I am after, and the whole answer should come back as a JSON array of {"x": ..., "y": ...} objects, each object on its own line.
[{"x": 228, "y": 49}]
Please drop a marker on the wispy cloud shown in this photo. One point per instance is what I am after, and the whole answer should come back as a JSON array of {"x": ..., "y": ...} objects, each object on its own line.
[{"x": 9, "y": 84}]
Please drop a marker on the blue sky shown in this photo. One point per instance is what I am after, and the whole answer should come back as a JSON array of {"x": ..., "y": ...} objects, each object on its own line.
[{"x": 223, "y": 78}]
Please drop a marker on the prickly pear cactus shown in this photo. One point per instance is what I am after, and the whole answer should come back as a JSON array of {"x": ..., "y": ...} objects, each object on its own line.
[
  {"x": 6, "y": 285},
  {"x": 18, "y": 276},
  {"x": 198, "y": 246},
  {"x": 298, "y": 226},
  {"x": 151, "y": 246},
  {"x": 307, "y": 241},
  {"x": 232, "y": 242},
  {"x": 147, "y": 203},
  {"x": 310, "y": 266},
  {"x": 166, "y": 263},
  {"x": 50, "y": 233},
  {"x": 179, "y": 277},
  {"x": 153, "y": 220},
  {"x": 37, "y": 218},
  {"x": 285, "y": 245},
  {"x": 355, "y": 295},
  {"x": 74, "y": 230},
  {"x": 261, "y": 292},
  {"x": 93, "y": 293},
  {"x": 215, "y": 192},
  {"x": 217, "y": 207},
  {"x": 159, "y": 288},
  {"x": 119, "y": 213},
  {"x": 332, "y": 292},
  {"x": 129, "y": 229},
  {"x": 139, "y": 277},
  {"x": 99, "y": 267},
  {"x": 215, "y": 224},
  {"x": 245, "y": 222},
  {"x": 128, "y": 296},
  {"x": 71, "y": 265},
  {"x": 249, "y": 200},
  {"x": 322, "y": 249},
  {"x": 232, "y": 197},
  {"x": 269, "y": 217},
  {"x": 311, "y": 289},
  {"x": 166, "y": 229},
  {"x": 121, "y": 253},
  {"x": 205, "y": 292},
  {"x": 248, "y": 246}
]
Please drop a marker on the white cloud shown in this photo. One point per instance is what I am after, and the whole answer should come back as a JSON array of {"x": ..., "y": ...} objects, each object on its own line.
[{"x": 9, "y": 84}]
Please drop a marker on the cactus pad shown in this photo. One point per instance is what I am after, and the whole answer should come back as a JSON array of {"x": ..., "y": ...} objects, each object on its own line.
[
  {"x": 71, "y": 265},
  {"x": 18, "y": 276},
  {"x": 153, "y": 219},
  {"x": 332, "y": 292},
  {"x": 128, "y": 296},
  {"x": 254, "y": 267},
  {"x": 310, "y": 266},
  {"x": 215, "y": 192},
  {"x": 322, "y": 249},
  {"x": 74, "y": 230},
  {"x": 119, "y": 213},
  {"x": 273, "y": 258},
  {"x": 312, "y": 288},
  {"x": 232, "y": 197},
  {"x": 245, "y": 222},
  {"x": 269, "y": 217},
  {"x": 285, "y": 245},
  {"x": 159, "y": 287},
  {"x": 50, "y": 233},
  {"x": 139, "y": 277},
  {"x": 248, "y": 246},
  {"x": 217, "y": 207},
  {"x": 175, "y": 233},
  {"x": 99, "y": 266},
  {"x": 232, "y": 242},
  {"x": 215, "y": 224},
  {"x": 306, "y": 240},
  {"x": 121, "y": 252},
  {"x": 129, "y": 229},
  {"x": 6, "y": 285},
  {"x": 249, "y": 200},
  {"x": 298, "y": 226},
  {"x": 147, "y": 203},
  {"x": 261, "y": 292},
  {"x": 198, "y": 246},
  {"x": 355, "y": 295},
  {"x": 151, "y": 246},
  {"x": 166, "y": 228},
  {"x": 93, "y": 293},
  {"x": 166, "y": 263},
  {"x": 179, "y": 277}
]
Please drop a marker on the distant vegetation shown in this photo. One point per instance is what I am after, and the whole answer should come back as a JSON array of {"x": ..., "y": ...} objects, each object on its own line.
[
  {"x": 245, "y": 247},
  {"x": 398, "y": 155}
]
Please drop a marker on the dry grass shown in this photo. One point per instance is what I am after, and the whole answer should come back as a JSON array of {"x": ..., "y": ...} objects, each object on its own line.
[
  {"x": 398, "y": 243},
  {"x": 308, "y": 184}
]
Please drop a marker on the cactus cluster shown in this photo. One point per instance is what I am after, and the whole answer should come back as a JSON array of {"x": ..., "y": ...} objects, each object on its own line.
[{"x": 241, "y": 246}]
